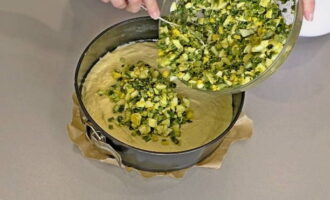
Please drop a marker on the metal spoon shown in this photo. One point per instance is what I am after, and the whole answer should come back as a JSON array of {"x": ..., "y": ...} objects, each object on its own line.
[{"x": 160, "y": 18}]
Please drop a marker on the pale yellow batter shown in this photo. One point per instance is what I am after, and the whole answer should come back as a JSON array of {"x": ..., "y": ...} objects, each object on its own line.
[{"x": 212, "y": 112}]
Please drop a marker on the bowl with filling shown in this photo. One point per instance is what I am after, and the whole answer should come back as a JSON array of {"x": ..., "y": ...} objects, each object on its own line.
[
  {"x": 227, "y": 46},
  {"x": 136, "y": 112}
]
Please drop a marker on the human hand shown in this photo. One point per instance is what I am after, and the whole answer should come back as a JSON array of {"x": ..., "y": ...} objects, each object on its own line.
[
  {"x": 134, "y": 6},
  {"x": 309, "y": 6}
]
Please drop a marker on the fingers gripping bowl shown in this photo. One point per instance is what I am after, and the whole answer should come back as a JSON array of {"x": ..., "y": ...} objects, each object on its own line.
[{"x": 130, "y": 154}]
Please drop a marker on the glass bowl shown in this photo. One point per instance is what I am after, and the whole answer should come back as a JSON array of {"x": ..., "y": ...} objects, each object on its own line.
[{"x": 277, "y": 63}]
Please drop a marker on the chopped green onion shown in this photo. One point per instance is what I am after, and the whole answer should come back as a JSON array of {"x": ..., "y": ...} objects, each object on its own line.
[
  {"x": 221, "y": 43},
  {"x": 147, "y": 104}
]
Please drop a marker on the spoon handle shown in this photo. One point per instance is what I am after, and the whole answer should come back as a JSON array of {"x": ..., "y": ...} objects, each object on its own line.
[{"x": 160, "y": 18}]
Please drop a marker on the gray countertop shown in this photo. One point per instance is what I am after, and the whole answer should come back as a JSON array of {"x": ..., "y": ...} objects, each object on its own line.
[{"x": 288, "y": 156}]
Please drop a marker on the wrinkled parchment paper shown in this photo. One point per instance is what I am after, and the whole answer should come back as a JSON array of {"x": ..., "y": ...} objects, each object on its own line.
[{"x": 242, "y": 130}]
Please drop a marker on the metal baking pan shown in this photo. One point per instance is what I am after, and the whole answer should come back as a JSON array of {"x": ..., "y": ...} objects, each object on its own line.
[{"x": 137, "y": 29}]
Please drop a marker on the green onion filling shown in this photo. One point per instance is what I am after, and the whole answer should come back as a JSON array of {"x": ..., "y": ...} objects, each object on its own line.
[
  {"x": 147, "y": 104},
  {"x": 221, "y": 43}
]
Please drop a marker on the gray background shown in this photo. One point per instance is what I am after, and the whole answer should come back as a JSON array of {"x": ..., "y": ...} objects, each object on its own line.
[{"x": 40, "y": 43}]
